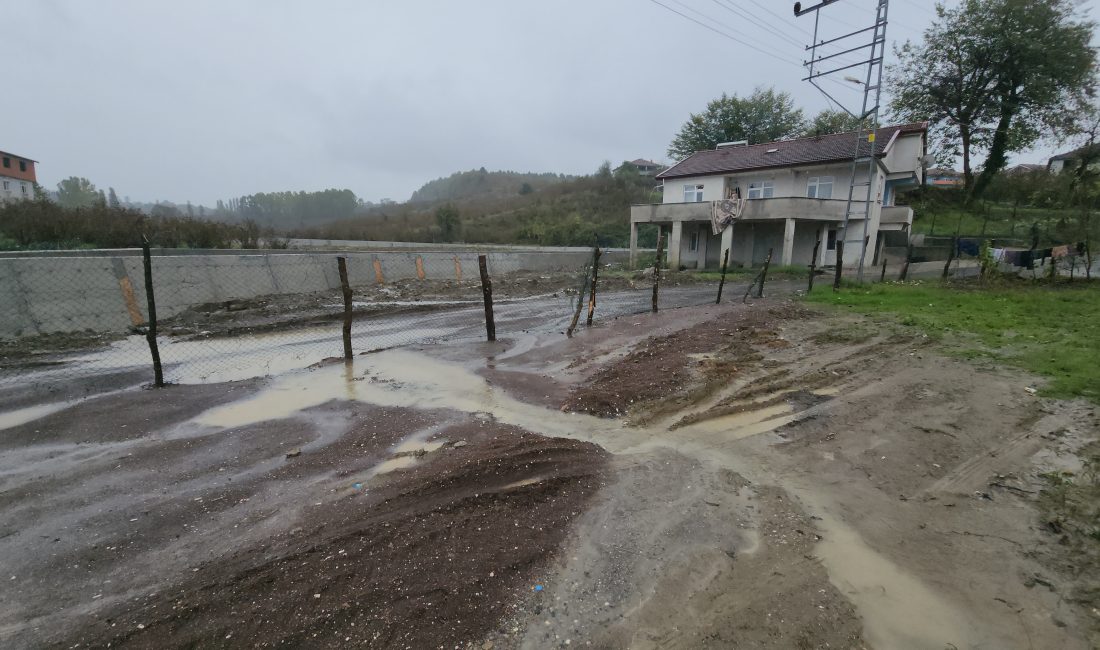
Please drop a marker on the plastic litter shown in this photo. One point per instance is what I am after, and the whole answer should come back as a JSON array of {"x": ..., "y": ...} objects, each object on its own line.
[{"x": 538, "y": 587}]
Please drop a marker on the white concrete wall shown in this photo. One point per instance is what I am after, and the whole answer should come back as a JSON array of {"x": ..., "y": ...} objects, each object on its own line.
[
  {"x": 786, "y": 182},
  {"x": 17, "y": 189},
  {"x": 712, "y": 188},
  {"x": 45, "y": 294},
  {"x": 905, "y": 154}
]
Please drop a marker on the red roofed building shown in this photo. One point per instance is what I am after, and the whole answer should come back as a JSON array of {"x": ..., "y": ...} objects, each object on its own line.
[
  {"x": 17, "y": 177},
  {"x": 796, "y": 193}
]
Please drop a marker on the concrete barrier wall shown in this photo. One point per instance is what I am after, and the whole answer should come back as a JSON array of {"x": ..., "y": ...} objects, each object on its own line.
[{"x": 43, "y": 294}]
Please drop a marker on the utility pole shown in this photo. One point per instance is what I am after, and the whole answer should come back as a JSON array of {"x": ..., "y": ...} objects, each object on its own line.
[{"x": 870, "y": 44}]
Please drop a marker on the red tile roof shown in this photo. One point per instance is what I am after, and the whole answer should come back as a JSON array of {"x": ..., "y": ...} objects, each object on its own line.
[{"x": 785, "y": 153}]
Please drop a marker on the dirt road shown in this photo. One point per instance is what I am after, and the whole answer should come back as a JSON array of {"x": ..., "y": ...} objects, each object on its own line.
[{"x": 737, "y": 476}]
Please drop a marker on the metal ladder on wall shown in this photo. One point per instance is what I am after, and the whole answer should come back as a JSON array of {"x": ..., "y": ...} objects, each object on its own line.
[{"x": 865, "y": 141}]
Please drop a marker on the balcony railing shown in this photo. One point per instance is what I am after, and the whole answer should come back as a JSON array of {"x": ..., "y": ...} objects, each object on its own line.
[{"x": 787, "y": 207}]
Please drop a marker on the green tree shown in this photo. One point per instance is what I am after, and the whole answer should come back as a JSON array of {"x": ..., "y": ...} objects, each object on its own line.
[
  {"x": 992, "y": 76},
  {"x": 764, "y": 116},
  {"x": 112, "y": 198},
  {"x": 447, "y": 218},
  {"x": 831, "y": 121},
  {"x": 77, "y": 192}
]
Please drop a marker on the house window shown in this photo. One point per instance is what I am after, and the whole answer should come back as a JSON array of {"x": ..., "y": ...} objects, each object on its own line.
[
  {"x": 693, "y": 193},
  {"x": 820, "y": 187},
  {"x": 693, "y": 243},
  {"x": 22, "y": 165},
  {"x": 23, "y": 186},
  {"x": 761, "y": 190},
  {"x": 830, "y": 243},
  {"x": 5, "y": 185},
  {"x": 7, "y": 161}
]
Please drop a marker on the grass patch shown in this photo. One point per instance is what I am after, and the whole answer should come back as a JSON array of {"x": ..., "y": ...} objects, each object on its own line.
[{"x": 1050, "y": 331}]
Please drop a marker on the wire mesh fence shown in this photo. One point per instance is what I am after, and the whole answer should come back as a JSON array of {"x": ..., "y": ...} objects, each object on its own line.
[{"x": 76, "y": 325}]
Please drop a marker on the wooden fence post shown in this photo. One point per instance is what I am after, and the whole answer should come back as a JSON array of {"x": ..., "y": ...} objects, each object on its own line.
[
  {"x": 951, "y": 256},
  {"x": 151, "y": 331},
  {"x": 908, "y": 258},
  {"x": 813, "y": 266},
  {"x": 487, "y": 292},
  {"x": 580, "y": 303},
  {"x": 657, "y": 267},
  {"x": 760, "y": 277},
  {"x": 595, "y": 276},
  {"x": 764, "y": 274},
  {"x": 722, "y": 281},
  {"x": 345, "y": 287},
  {"x": 839, "y": 263}
]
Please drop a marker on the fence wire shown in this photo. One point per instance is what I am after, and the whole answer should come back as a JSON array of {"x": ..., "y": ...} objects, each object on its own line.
[{"x": 77, "y": 325}]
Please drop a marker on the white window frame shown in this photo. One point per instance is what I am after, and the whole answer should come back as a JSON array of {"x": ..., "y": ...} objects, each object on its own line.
[
  {"x": 5, "y": 185},
  {"x": 693, "y": 241},
  {"x": 693, "y": 193},
  {"x": 761, "y": 190},
  {"x": 23, "y": 186},
  {"x": 815, "y": 184}
]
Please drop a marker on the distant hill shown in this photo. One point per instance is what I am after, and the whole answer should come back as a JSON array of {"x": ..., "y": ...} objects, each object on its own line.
[
  {"x": 560, "y": 212},
  {"x": 482, "y": 183}
]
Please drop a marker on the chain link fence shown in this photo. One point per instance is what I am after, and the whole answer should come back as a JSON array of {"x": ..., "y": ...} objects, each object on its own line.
[{"x": 71, "y": 326}]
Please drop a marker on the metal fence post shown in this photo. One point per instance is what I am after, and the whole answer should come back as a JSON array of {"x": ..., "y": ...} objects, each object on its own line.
[
  {"x": 151, "y": 331},
  {"x": 345, "y": 286},
  {"x": 487, "y": 293}
]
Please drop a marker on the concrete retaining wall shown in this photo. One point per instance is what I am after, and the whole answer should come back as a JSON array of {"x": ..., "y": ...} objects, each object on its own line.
[{"x": 42, "y": 294}]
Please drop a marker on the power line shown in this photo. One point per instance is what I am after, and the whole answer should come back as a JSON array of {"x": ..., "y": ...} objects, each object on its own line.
[
  {"x": 724, "y": 34},
  {"x": 761, "y": 43},
  {"x": 765, "y": 27},
  {"x": 788, "y": 24}
]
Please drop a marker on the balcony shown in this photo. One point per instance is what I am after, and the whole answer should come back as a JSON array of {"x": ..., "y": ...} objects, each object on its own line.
[{"x": 787, "y": 207}]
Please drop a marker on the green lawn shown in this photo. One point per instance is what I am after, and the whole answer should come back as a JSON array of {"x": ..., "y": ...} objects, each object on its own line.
[{"x": 1051, "y": 331}]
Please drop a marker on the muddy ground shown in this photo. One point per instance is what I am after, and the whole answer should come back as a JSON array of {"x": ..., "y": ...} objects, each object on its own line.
[{"x": 753, "y": 476}]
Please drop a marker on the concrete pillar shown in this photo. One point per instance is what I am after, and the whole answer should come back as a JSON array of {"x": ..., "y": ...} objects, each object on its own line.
[
  {"x": 674, "y": 245},
  {"x": 633, "y": 245},
  {"x": 788, "y": 243},
  {"x": 749, "y": 232},
  {"x": 727, "y": 244}
]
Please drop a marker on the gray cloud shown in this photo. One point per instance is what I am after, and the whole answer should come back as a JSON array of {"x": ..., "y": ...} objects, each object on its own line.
[{"x": 207, "y": 99}]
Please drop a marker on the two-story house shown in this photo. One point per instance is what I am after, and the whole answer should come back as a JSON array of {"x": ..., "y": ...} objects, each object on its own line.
[
  {"x": 796, "y": 193},
  {"x": 17, "y": 177}
]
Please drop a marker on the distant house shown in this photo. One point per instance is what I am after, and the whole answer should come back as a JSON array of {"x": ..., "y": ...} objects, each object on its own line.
[
  {"x": 17, "y": 177},
  {"x": 942, "y": 177},
  {"x": 1060, "y": 161},
  {"x": 646, "y": 167},
  {"x": 795, "y": 194},
  {"x": 1024, "y": 168}
]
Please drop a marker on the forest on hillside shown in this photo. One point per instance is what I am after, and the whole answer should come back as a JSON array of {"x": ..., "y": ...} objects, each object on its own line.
[{"x": 569, "y": 212}]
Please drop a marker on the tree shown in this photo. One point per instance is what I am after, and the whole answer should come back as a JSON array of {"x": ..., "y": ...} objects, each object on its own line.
[
  {"x": 112, "y": 198},
  {"x": 447, "y": 218},
  {"x": 831, "y": 121},
  {"x": 992, "y": 76},
  {"x": 764, "y": 116},
  {"x": 77, "y": 192}
]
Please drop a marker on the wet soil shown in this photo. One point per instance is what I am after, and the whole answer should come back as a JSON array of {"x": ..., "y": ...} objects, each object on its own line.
[{"x": 747, "y": 476}]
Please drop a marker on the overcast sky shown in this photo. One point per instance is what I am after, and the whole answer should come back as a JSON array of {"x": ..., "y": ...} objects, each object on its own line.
[{"x": 202, "y": 100}]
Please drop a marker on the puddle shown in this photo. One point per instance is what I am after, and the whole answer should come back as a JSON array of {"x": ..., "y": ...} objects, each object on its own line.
[
  {"x": 750, "y": 423},
  {"x": 18, "y": 417},
  {"x": 400, "y": 378},
  {"x": 898, "y": 610},
  {"x": 524, "y": 482},
  {"x": 391, "y": 465}
]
